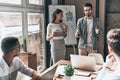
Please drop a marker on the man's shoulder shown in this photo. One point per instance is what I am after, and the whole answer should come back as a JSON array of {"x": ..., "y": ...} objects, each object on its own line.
[
  {"x": 81, "y": 19},
  {"x": 16, "y": 59},
  {"x": 2, "y": 65},
  {"x": 1, "y": 60},
  {"x": 96, "y": 18}
]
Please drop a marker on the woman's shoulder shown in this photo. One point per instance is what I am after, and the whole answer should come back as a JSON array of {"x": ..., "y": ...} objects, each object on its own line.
[
  {"x": 64, "y": 24},
  {"x": 52, "y": 24}
]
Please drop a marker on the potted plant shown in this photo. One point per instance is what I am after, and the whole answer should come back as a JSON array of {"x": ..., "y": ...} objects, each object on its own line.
[{"x": 68, "y": 70}]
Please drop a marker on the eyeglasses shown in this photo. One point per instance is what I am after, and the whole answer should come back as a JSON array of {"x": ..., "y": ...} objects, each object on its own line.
[{"x": 16, "y": 47}]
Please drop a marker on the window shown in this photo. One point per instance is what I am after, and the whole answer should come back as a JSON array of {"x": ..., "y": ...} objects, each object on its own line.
[
  {"x": 33, "y": 22},
  {"x": 21, "y": 19},
  {"x": 11, "y": 25},
  {"x": 35, "y": 42},
  {"x": 36, "y": 2},
  {"x": 10, "y": 2}
]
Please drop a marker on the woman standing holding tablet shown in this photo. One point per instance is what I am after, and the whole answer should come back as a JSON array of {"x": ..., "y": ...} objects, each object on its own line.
[{"x": 56, "y": 32}]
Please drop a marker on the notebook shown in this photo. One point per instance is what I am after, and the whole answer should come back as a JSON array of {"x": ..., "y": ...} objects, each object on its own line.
[
  {"x": 84, "y": 62},
  {"x": 49, "y": 73}
]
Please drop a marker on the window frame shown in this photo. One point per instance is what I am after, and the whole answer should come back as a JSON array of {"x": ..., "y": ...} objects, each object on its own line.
[{"x": 24, "y": 9}]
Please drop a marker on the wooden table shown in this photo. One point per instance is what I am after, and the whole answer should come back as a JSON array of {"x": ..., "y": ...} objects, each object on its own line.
[
  {"x": 49, "y": 73},
  {"x": 53, "y": 74},
  {"x": 63, "y": 63}
]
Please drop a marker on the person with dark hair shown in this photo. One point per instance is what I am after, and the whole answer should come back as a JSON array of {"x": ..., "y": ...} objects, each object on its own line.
[
  {"x": 10, "y": 64},
  {"x": 113, "y": 41},
  {"x": 56, "y": 32},
  {"x": 88, "y": 31}
]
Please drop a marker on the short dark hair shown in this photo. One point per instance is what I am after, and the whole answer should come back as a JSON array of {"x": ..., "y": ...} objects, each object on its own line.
[
  {"x": 87, "y": 5},
  {"x": 113, "y": 40},
  {"x": 8, "y": 43},
  {"x": 57, "y": 11}
]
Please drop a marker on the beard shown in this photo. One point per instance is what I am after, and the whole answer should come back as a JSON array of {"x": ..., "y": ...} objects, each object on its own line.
[
  {"x": 89, "y": 15},
  {"x": 17, "y": 54}
]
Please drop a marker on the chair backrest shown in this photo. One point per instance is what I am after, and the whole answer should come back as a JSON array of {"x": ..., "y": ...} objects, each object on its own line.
[
  {"x": 98, "y": 57},
  {"x": 29, "y": 59},
  {"x": 83, "y": 62}
]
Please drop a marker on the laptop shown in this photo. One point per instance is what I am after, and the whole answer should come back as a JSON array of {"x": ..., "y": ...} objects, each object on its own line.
[
  {"x": 98, "y": 57},
  {"x": 83, "y": 62}
]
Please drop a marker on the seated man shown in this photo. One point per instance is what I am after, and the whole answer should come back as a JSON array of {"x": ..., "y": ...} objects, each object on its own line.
[
  {"x": 113, "y": 40},
  {"x": 10, "y": 64}
]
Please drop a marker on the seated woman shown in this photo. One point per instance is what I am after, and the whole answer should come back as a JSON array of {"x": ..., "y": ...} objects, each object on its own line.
[{"x": 113, "y": 40}]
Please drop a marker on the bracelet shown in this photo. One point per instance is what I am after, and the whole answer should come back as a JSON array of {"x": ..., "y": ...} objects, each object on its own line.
[{"x": 108, "y": 68}]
